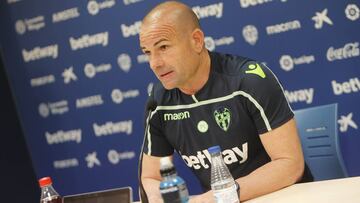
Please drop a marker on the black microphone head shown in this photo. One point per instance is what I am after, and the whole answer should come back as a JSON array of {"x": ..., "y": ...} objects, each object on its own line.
[{"x": 151, "y": 105}]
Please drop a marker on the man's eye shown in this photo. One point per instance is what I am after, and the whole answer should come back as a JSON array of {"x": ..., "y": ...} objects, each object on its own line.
[{"x": 164, "y": 47}]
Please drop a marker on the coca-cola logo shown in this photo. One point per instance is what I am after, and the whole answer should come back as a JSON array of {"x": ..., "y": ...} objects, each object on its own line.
[{"x": 348, "y": 51}]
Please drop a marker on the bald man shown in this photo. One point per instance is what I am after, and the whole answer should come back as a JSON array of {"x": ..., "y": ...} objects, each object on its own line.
[{"x": 205, "y": 99}]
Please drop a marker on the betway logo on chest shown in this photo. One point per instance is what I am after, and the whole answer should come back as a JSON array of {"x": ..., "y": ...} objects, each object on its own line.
[
  {"x": 110, "y": 128},
  {"x": 37, "y": 53},
  {"x": 176, "y": 116},
  {"x": 212, "y": 10},
  {"x": 86, "y": 41},
  {"x": 303, "y": 95},
  {"x": 202, "y": 159}
]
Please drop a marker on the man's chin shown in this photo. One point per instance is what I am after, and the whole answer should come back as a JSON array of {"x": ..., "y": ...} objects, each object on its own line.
[{"x": 168, "y": 86}]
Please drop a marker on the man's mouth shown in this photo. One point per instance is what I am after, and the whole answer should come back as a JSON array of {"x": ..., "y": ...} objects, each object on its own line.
[{"x": 166, "y": 74}]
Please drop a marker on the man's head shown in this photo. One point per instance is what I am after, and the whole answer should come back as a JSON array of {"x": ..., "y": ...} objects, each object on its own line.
[{"x": 170, "y": 35}]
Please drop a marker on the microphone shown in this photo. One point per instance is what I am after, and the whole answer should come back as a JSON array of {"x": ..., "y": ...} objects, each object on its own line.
[{"x": 150, "y": 107}]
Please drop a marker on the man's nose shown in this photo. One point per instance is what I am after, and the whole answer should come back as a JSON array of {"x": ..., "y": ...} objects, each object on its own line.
[{"x": 156, "y": 61}]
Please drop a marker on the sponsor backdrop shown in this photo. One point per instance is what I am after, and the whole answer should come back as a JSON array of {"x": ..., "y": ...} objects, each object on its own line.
[{"x": 81, "y": 82}]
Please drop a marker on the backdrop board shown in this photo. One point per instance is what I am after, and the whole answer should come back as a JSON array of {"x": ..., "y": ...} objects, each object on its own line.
[{"x": 80, "y": 80}]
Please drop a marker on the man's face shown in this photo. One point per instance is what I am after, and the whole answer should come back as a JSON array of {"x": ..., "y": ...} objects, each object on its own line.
[{"x": 170, "y": 53}]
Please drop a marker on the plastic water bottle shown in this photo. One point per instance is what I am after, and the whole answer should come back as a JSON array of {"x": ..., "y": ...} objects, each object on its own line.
[
  {"x": 48, "y": 193},
  {"x": 172, "y": 188},
  {"x": 222, "y": 183}
]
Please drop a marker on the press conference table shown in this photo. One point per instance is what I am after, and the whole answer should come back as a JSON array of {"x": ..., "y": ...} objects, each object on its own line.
[{"x": 345, "y": 190}]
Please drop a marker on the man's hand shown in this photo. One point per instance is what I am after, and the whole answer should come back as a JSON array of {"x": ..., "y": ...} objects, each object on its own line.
[{"x": 207, "y": 197}]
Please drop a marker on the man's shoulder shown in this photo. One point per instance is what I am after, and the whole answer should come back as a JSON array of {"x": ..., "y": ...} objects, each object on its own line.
[{"x": 229, "y": 64}]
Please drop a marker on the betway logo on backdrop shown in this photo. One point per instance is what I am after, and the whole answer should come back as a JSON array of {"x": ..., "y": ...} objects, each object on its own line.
[
  {"x": 202, "y": 159},
  {"x": 91, "y": 70},
  {"x": 94, "y": 100},
  {"x": 54, "y": 108},
  {"x": 110, "y": 128},
  {"x": 349, "y": 50},
  {"x": 348, "y": 87},
  {"x": 130, "y": 30},
  {"x": 65, "y": 163},
  {"x": 212, "y": 10},
  {"x": 115, "y": 157},
  {"x": 61, "y": 136},
  {"x": 65, "y": 15},
  {"x": 283, "y": 27},
  {"x": 128, "y": 2},
  {"x": 87, "y": 40},
  {"x": 31, "y": 24},
  {"x": 43, "y": 80},
  {"x": 211, "y": 44},
  {"x": 302, "y": 95},
  {"x": 248, "y": 3},
  {"x": 38, "y": 53}
]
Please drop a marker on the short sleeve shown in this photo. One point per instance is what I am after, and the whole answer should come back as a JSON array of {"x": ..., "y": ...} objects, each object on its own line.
[{"x": 265, "y": 99}]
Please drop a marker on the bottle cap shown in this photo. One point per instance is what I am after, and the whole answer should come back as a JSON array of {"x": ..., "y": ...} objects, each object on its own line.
[
  {"x": 214, "y": 149},
  {"x": 165, "y": 162},
  {"x": 45, "y": 181}
]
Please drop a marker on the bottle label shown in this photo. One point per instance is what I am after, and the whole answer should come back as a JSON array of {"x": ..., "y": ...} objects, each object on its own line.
[
  {"x": 226, "y": 195},
  {"x": 170, "y": 195}
]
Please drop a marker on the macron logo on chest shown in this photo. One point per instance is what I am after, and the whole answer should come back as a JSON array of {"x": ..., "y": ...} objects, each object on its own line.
[
  {"x": 202, "y": 159},
  {"x": 176, "y": 116}
]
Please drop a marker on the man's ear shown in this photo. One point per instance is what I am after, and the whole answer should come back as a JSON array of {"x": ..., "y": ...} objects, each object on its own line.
[{"x": 197, "y": 40}]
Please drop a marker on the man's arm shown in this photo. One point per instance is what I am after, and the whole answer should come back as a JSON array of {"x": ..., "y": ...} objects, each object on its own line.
[
  {"x": 151, "y": 178},
  {"x": 285, "y": 168}
]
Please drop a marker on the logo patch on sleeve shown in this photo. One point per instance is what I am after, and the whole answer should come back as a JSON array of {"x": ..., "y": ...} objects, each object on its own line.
[{"x": 256, "y": 69}]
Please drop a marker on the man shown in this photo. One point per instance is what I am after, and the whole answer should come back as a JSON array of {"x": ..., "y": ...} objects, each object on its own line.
[{"x": 207, "y": 99}]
